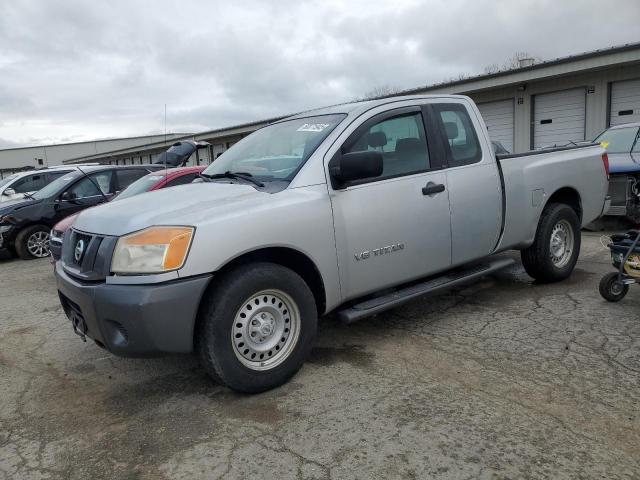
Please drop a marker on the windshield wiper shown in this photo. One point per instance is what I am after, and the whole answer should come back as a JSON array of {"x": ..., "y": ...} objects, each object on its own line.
[
  {"x": 246, "y": 176},
  {"x": 28, "y": 195}
]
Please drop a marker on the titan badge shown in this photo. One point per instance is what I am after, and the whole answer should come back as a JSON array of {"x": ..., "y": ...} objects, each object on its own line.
[{"x": 364, "y": 255}]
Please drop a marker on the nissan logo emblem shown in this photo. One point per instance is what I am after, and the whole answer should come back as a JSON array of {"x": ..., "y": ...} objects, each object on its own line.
[{"x": 79, "y": 250}]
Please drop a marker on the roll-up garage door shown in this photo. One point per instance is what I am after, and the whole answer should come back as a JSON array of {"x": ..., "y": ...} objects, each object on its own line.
[
  {"x": 558, "y": 118},
  {"x": 625, "y": 102},
  {"x": 498, "y": 116}
]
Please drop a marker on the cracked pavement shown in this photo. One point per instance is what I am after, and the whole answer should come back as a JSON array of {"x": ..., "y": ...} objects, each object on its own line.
[{"x": 500, "y": 379}]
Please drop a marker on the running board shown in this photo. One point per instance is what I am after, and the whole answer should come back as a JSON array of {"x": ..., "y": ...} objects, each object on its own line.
[{"x": 404, "y": 295}]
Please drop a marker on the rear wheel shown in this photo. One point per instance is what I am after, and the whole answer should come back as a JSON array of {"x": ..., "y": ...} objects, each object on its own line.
[
  {"x": 256, "y": 327},
  {"x": 33, "y": 242},
  {"x": 556, "y": 247},
  {"x": 612, "y": 289}
]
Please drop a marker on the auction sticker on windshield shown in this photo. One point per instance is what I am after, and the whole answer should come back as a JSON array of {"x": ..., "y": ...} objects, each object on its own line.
[{"x": 313, "y": 127}]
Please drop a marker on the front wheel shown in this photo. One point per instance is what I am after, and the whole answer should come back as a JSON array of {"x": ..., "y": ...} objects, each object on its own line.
[
  {"x": 556, "y": 247},
  {"x": 33, "y": 242},
  {"x": 611, "y": 288},
  {"x": 256, "y": 327}
]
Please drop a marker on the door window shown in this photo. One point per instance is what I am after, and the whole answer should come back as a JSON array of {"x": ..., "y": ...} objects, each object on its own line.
[
  {"x": 87, "y": 188},
  {"x": 31, "y": 183},
  {"x": 401, "y": 141},
  {"x": 128, "y": 176},
  {"x": 460, "y": 134}
]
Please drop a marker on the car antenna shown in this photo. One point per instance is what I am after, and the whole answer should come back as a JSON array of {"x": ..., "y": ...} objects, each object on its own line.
[
  {"x": 94, "y": 183},
  {"x": 165, "y": 143}
]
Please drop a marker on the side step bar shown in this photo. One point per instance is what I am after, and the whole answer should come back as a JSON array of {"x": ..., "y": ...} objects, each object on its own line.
[{"x": 404, "y": 295}]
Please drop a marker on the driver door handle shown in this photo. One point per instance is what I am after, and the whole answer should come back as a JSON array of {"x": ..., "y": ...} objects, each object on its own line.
[{"x": 432, "y": 188}]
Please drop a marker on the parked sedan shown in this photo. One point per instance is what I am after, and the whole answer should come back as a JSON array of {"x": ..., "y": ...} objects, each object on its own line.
[
  {"x": 17, "y": 185},
  {"x": 25, "y": 224},
  {"x": 148, "y": 183}
]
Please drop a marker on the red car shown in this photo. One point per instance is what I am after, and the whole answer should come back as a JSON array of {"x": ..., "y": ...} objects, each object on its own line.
[{"x": 153, "y": 181}]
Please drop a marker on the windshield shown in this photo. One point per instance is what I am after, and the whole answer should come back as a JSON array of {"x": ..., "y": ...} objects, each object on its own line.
[
  {"x": 276, "y": 152},
  {"x": 6, "y": 180},
  {"x": 141, "y": 185},
  {"x": 618, "y": 140},
  {"x": 55, "y": 186}
]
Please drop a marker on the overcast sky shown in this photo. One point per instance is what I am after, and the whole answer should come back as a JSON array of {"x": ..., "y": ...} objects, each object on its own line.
[{"x": 73, "y": 70}]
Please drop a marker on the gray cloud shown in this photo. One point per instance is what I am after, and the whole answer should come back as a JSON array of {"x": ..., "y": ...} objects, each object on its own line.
[{"x": 85, "y": 70}]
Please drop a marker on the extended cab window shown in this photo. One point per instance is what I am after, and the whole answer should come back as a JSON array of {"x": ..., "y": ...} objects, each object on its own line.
[
  {"x": 401, "y": 141},
  {"x": 461, "y": 139}
]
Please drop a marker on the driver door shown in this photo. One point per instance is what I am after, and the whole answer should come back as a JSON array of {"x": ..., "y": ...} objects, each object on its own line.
[{"x": 394, "y": 228}]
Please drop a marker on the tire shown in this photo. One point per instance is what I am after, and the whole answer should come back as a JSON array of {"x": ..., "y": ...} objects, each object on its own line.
[
  {"x": 256, "y": 327},
  {"x": 33, "y": 242},
  {"x": 547, "y": 260},
  {"x": 611, "y": 289}
]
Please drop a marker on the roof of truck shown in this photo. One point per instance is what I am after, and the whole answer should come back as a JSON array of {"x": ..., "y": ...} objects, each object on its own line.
[{"x": 362, "y": 106}]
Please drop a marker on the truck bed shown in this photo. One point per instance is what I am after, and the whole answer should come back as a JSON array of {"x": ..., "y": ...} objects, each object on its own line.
[{"x": 528, "y": 179}]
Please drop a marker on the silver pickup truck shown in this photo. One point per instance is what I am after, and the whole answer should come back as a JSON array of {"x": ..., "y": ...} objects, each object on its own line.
[{"x": 351, "y": 209}]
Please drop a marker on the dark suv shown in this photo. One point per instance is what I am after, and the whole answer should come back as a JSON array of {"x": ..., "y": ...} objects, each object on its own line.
[{"x": 25, "y": 224}]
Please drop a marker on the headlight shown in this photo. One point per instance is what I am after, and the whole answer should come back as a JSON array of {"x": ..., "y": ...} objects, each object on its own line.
[
  {"x": 153, "y": 250},
  {"x": 55, "y": 235}
]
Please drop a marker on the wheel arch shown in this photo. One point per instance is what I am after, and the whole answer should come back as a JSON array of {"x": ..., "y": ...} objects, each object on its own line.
[
  {"x": 287, "y": 257},
  {"x": 24, "y": 226},
  {"x": 568, "y": 196}
]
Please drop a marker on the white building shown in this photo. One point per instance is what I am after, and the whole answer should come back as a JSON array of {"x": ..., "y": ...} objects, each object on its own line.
[{"x": 21, "y": 158}]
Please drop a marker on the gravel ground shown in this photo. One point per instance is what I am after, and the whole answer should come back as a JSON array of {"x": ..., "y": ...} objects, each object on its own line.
[{"x": 502, "y": 379}]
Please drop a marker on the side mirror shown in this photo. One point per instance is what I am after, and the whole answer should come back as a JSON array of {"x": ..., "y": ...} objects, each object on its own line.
[
  {"x": 68, "y": 197},
  {"x": 347, "y": 167},
  {"x": 9, "y": 192}
]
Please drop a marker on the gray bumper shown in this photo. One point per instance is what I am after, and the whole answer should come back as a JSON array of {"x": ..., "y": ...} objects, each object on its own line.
[{"x": 134, "y": 320}]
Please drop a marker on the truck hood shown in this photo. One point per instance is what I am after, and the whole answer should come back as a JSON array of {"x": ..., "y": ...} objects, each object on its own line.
[{"x": 183, "y": 205}]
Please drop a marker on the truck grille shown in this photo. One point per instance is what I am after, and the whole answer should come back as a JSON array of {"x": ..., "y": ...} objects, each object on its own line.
[{"x": 86, "y": 256}]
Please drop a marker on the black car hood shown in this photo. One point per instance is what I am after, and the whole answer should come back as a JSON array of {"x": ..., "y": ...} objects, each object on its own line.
[{"x": 13, "y": 205}]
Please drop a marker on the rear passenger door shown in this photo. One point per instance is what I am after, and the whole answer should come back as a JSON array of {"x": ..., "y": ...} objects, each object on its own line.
[
  {"x": 393, "y": 228},
  {"x": 475, "y": 194}
]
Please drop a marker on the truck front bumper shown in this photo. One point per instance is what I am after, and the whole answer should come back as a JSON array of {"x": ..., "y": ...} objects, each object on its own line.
[{"x": 133, "y": 320}]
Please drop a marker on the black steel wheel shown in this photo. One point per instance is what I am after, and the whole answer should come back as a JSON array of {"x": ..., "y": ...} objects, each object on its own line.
[{"x": 612, "y": 289}]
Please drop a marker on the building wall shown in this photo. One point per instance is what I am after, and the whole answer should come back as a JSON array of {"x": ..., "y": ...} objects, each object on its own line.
[
  {"x": 15, "y": 158},
  {"x": 597, "y": 103}
]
